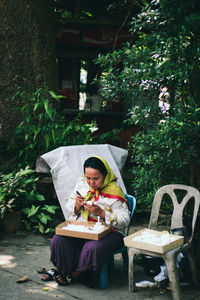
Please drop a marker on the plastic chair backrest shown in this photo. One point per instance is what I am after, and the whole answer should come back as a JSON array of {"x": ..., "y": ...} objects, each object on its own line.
[
  {"x": 177, "y": 215},
  {"x": 132, "y": 205}
]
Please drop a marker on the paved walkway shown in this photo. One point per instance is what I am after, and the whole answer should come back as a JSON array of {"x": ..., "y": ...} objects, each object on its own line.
[{"x": 23, "y": 255}]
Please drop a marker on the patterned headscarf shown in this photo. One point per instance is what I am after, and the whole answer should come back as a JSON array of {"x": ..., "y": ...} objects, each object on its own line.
[{"x": 109, "y": 188}]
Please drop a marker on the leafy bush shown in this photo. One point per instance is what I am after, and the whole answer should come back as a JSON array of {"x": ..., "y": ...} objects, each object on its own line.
[
  {"x": 39, "y": 217},
  {"x": 43, "y": 128},
  {"x": 165, "y": 53},
  {"x": 17, "y": 190},
  {"x": 167, "y": 154},
  {"x": 18, "y": 193}
]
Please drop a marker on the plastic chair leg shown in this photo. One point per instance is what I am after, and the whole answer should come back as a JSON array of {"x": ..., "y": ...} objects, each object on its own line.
[
  {"x": 103, "y": 279},
  {"x": 170, "y": 262},
  {"x": 192, "y": 267},
  {"x": 109, "y": 264}
]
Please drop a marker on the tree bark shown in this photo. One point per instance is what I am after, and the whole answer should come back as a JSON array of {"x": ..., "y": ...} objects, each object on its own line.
[{"x": 27, "y": 55}]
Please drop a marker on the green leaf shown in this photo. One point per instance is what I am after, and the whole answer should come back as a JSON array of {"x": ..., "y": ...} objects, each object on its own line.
[
  {"x": 50, "y": 208},
  {"x": 41, "y": 227},
  {"x": 53, "y": 135},
  {"x": 47, "y": 108},
  {"x": 21, "y": 124},
  {"x": 43, "y": 218},
  {"x": 56, "y": 97},
  {"x": 25, "y": 172},
  {"x": 53, "y": 94},
  {"x": 40, "y": 197},
  {"x": 31, "y": 211},
  {"x": 46, "y": 141},
  {"x": 48, "y": 230},
  {"x": 36, "y": 106}
]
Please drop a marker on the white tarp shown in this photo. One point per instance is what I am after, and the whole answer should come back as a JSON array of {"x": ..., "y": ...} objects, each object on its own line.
[{"x": 66, "y": 166}]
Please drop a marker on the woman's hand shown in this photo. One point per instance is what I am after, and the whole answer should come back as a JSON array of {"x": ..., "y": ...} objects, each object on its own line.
[
  {"x": 80, "y": 201},
  {"x": 95, "y": 209}
]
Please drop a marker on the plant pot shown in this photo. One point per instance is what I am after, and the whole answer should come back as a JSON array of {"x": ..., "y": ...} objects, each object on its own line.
[{"x": 12, "y": 222}]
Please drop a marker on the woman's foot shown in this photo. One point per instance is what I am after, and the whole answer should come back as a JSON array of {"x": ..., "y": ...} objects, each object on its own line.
[
  {"x": 49, "y": 275},
  {"x": 76, "y": 274},
  {"x": 63, "y": 281}
]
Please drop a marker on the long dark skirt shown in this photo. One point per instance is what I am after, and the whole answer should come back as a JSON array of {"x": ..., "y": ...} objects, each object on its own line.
[{"x": 72, "y": 254}]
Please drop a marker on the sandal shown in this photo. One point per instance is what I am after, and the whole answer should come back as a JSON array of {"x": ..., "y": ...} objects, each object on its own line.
[
  {"x": 63, "y": 281},
  {"x": 51, "y": 275}
]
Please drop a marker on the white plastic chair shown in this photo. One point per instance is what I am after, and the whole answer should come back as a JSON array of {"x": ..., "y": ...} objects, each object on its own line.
[{"x": 176, "y": 222}]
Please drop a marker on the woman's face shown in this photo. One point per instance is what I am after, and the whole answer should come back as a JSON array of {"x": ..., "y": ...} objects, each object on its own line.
[{"x": 94, "y": 178}]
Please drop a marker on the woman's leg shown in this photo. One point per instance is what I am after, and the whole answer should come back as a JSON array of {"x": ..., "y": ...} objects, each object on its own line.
[
  {"x": 65, "y": 252},
  {"x": 95, "y": 253}
]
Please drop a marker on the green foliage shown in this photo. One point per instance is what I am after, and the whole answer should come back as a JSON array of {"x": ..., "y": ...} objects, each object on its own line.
[
  {"x": 109, "y": 137},
  {"x": 167, "y": 154},
  {"x": 40, "y": 217},
  {"x": 43, "y": 128},
  {"x": 166, "y": 52},
  {"x": 18, "y": 193},
  {"x": 66, "y": 15},
  {"x": 17, "y": 190}
]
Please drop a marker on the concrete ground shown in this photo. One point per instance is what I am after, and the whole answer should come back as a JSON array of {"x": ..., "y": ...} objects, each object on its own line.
[{"x": 23, "y": 255}]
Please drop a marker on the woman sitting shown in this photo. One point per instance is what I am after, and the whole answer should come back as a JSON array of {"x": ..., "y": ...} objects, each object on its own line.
[{"x": 97, "y": 193}]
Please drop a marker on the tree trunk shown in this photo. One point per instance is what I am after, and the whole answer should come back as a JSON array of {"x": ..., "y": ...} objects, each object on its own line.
[{"x": 27, "y": 54}]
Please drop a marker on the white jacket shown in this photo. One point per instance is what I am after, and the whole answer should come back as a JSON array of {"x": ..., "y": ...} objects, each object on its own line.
[{"x": 117, "y": 214}]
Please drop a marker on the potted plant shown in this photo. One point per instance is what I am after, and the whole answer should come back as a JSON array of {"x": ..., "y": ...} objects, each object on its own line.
[
  {"x": 20, "y": 201},
  {"x": 16, "y": 190}
]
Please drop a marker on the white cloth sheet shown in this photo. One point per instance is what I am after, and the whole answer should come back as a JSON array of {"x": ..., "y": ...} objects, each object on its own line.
[{"x": 66, "y": 166}]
